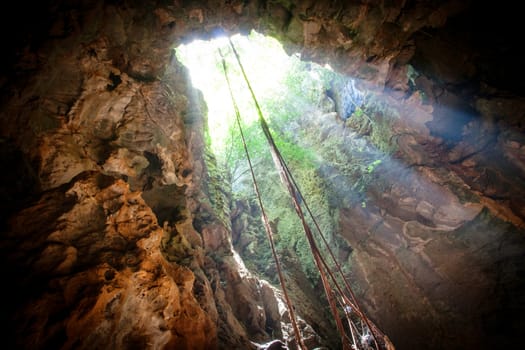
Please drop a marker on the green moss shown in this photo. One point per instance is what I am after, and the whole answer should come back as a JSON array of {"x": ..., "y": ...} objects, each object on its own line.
[
  {"x": 330, "y": 169},
  {"x": 218, "y": 189},
  {"x": 374, "y": 121}
]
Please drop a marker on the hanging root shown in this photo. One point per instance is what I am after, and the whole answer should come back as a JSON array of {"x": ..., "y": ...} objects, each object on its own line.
[{"x": 367, "y": 336}]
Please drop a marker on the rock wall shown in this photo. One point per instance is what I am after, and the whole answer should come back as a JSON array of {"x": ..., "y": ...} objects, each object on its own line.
[
  {"x": 112, "y": 236},
  {"x": 114, "y": 232},
  {"x": 447, "y": 252}
]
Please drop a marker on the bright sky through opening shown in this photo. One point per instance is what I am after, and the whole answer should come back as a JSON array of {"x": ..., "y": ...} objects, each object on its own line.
[{"x": 264, "y": 61}]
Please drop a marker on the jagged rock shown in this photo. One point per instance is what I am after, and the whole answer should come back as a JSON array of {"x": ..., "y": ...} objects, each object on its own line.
[
  {"x": 102, "y": 137},
  {"x": 108, "y": 283}
]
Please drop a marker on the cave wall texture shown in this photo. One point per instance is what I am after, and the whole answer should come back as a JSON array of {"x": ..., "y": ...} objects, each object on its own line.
[{"x": 115, "y": 234}]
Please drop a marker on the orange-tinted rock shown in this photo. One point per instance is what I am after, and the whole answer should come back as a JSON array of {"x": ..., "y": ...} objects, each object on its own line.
[{"x": 104, "y": 138}]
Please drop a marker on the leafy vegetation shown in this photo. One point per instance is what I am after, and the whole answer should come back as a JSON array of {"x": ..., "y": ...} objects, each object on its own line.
[{"x": 331, "y": 168}]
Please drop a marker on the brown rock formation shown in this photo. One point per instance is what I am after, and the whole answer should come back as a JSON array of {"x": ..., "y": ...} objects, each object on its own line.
[{"x": 115, "y": 234}]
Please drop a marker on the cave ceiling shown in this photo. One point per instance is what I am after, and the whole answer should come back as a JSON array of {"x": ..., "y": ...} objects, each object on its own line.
[{"x": 117, "y": 229}]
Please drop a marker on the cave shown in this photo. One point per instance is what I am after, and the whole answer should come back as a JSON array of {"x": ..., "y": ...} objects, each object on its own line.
[{"x": 120, "y": 228}]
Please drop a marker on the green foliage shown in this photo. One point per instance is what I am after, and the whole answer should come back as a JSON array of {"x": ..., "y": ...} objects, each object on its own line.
[
  {"x": 374, "y": 121},
  {"x": 330, "y": 169},
  {"x": 290, "y": 235},
  {"x": 300, "y": 95},
  {"x": 370, "y": 168}
]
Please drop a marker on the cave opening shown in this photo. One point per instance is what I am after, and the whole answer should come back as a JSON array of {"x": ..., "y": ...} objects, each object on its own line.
[
  {"x": 118, "y": 220},
  {"x": 310, "y": 109},
  {"x": 299, "y": 99}
]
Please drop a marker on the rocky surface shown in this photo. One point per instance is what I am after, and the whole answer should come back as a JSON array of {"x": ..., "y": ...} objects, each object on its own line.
[
  {"x": 95, "y": 277},
  {"x": 115, "y": 226},
  {"x": 427, "y": 233}
]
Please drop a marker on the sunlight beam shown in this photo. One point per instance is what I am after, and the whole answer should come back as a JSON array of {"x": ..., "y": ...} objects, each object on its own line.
[{"x": 267, "y": 65}]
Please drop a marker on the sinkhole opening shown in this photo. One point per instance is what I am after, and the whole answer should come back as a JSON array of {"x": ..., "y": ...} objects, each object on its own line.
[
  {"x": 332, "y": 134},
  {"x": 307, "y": 107}
]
